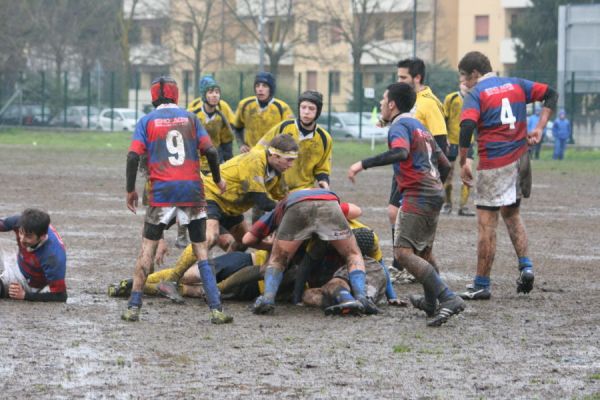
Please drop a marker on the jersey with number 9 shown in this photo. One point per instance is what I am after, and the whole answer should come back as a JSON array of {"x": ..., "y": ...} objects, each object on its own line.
[
  {"x": 172, "y": 137},
  {"x": 498, "y": 107}
]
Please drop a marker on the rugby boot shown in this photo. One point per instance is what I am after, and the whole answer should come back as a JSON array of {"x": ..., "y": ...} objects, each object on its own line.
[
  {"x": 218, "y": 317},
  {"x": 448, "y": 308},
  {"x": 447, "y": 209},
  {"x": 169, "y": 290},
  {"x": 131, "y": 314},
  {"x": 263, "y": 306},
  {"x": 525, "y": 281},
  {"x": 369, "y": 306},
  {"x": 474, "y": 293},
  {"x": 352, "y": 307},
  {"x": 465, "y": 212},
  {"x": 418, "y": 301},
  {"x": 121, "y": 289}
]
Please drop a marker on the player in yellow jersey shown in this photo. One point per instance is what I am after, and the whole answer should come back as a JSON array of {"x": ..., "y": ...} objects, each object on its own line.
[
  {"x": 255, "y": 115},
  {"x": 216, "y": 117},
  {"x": 452, "y": 108},
  {"x": 315, "y": 144}
]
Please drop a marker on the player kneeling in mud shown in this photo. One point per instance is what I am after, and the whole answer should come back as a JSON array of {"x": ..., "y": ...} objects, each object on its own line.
[
  {"x": 39, "y": 273},
  {"x": 420, "y": 168}
]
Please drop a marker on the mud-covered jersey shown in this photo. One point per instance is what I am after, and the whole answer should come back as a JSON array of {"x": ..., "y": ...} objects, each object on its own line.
[
  {"x": 257, "y": 121},
  {"x": 269, "y": 222},
  {"x": 173, "y": 138},
  {"x": 498, "y": 107},
  {"x": 44, "y": 266},
  {"x": 314, "y": 153},
  {"x": 430, "y": 112},
  {"x": 418, "y": 177},
  {"x": 245, "y": 174}
]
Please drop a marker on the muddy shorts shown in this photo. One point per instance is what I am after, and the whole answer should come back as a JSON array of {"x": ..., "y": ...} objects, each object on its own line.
[
  {"x": 322, "y": 218},
  {"x": 414, "y": 230},
  {"x": 505, "y": 185},
  {"x": 376, "y": 280},
  {"x": 166, "y": 215},
  {"x": 225, "y": 220}
]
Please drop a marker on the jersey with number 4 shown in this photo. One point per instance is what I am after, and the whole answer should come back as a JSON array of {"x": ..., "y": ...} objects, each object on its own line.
[
  {"x": 498, "y": 107},
  {"x": 418, "y": 176},
  {"x": 172, "y": 139}
]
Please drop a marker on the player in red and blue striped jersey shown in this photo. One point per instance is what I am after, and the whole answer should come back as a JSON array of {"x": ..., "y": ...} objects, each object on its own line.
[
  {"x": 171, "y": 139},
  {"x": 420, "y": 168},
  {"x": 42, "y": 260},
  {"x": 496, "y": 107}
]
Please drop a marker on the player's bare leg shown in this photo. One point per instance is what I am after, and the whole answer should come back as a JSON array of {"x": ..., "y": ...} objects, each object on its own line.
[
  {"x": 141, "y": 272},
  {"x": 518, "y": 236},
  {"x": 212, "y": 233}
]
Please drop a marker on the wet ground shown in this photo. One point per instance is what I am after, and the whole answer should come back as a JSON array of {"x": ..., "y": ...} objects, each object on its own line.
[{"x": 544, "y": 345}]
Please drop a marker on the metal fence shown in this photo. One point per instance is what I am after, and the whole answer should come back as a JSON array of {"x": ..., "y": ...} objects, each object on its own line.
[{"x": 75, "y": 100}]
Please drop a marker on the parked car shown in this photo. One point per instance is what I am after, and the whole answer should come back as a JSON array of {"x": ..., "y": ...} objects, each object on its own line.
[
  {"x": 346, "y": 124},
  {"x": 123, "y": 119},
  {"x": 25, "y": 114},
  {"x": 77, "y": 117}
]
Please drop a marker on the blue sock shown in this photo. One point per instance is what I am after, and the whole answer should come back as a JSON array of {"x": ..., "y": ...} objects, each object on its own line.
[
  {"x": 209, "y": 283},
  {"x": 390, "y": 293},
  {"x": 342, "y": 295},
  {"x": 481, "y": 282},
  {"x": 135, "y": 299},
  {"x": 273, "y": 278},
  {"x": 358, "y": 281},
  {"x": 525, "y": 262}
]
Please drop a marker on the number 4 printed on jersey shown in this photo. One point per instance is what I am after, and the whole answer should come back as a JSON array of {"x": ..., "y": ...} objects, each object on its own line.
[
  {"x": 176, "y": 147},
  {"x": 506, "y": 115}
]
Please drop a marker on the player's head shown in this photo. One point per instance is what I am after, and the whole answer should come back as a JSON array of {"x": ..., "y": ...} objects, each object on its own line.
[
  {"x": 282, "y": 152},
  {"x": 411, "y": 71},
  {"x": 365, "y": 238},
  {"x": 473, "y": 66},
  {"x": 264, "y": 86},
  {"x": 33, "y": 227},
  {"x": 398, "y": 98},
  {"x": 164, "y": 90},
  {"x": 310, "y": 104},
  {"x": 210, "y": 91}
]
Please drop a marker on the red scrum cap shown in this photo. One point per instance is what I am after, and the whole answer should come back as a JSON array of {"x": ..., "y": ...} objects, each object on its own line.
[{"x": 164, "y": 90}]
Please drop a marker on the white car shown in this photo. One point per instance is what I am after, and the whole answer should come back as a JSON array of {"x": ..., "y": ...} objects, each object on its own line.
[
  {"x": 123, "y": 119},
  {"x": 346, "y": 124}
]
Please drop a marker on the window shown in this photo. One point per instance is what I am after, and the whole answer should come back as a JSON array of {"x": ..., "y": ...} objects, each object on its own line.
[
  {"x": 156, "y": 36},
  {"x": 135, "y": 34},
  {"x": 336, "y": 31},
  {"x": 335, "y": 82},
  {"x": 482, "y": 28},
  {"x": 513, "y": 21},
  {"x": 313, "y": 32},
  {"x": 407, "y": 29},
  {"x": 379, "y": 32},
  {"x": 188, "y": 34},
  {"x": 311, "y": 80}
]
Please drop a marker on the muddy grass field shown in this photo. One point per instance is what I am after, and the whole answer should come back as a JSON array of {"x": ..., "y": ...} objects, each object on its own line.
[{"x": 542, "y": 345}]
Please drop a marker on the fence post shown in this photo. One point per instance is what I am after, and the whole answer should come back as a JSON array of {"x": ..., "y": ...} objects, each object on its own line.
[
  {"x": 330, "y": 84},
  {"x": 571, "y": 140},
  {"x": 43, "y": 74},
  {"x": 241, "y": 85},
  {"x": 299, "y": 83},
  {"x": 360, "y": 103},
  {"x": 89, "y": 99},
  {"x": 112, "y": 100},
  {"x": 65, "y": 100},
  {"x": 137, "y": 93},
  {"x": 186, "y": 84}
]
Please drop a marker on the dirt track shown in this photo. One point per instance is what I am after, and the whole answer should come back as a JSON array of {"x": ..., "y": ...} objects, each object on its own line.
[{"x": 545, "y": 345}]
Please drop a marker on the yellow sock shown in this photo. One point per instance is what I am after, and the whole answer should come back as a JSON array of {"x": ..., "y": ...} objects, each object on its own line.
[
  {"x": 155, "y": 278},
  {"x": 448, "y": 189},
  {"x": 464, "y": 195},
  {"x": 184, "y": 262}
]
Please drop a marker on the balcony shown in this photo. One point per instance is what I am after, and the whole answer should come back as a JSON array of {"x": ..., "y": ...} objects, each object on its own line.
[
  {"x": 248, "y": 53},
  {"x": 516, "y": 3}
]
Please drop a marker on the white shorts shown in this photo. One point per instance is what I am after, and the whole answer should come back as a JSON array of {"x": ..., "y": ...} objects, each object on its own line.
[
  {"x": 12, "y": 274},
  {"x": 164, "y": 215}
]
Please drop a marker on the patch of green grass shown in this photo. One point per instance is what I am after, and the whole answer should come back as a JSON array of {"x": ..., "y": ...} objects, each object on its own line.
[
  {"x": 120, "y": 361},
  {"x": 400, "y": 348},
  {"x": 435, "y": 351},
  {"x": 84, "y": 140},
  {"x": 595, "y": 377},
  {"x": 593, "y": 396}
]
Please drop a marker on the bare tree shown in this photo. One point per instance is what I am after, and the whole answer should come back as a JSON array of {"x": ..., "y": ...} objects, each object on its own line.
[
  {"x": 15, "y": 31},
  {"x": 280, "y": 38},
  {"x": 125, "y": 20}
]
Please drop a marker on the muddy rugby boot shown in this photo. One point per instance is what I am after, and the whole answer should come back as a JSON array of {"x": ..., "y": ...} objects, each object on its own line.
[
  {"x": 525, "y": 281},
  {"x": 121, "y": 289},
  {"x": 465, "y": 212},
  {"x": 263, "y": 306},
  {"x": 447, "y": 209},
  {"x": 352, "y": 307},
  {"x": 418, "y": 302},
  {"x": 448, "y": 308},
  {"x": 473, "y": 293},
  {"x": 169, "y": 290},
  {"x": 131, "y": 314},
  {"x": 218, "y": 317}
]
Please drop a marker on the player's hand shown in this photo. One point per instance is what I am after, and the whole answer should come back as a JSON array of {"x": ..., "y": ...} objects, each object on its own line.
[
  {"x": 466, "y": 175},
  {"x": 16, "y": 291},
  {"x": 244, "y": 148},
  {"x": 222, "y": 186},
  {"x": 398, "y": 303},
  {"x": 354, "y": 170},
  {"x": 132, "y": 201},
  {"x": 161, "y": 251},
  {"x": 323, "y": 184},
  {"x": 534, "y": 136}
]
